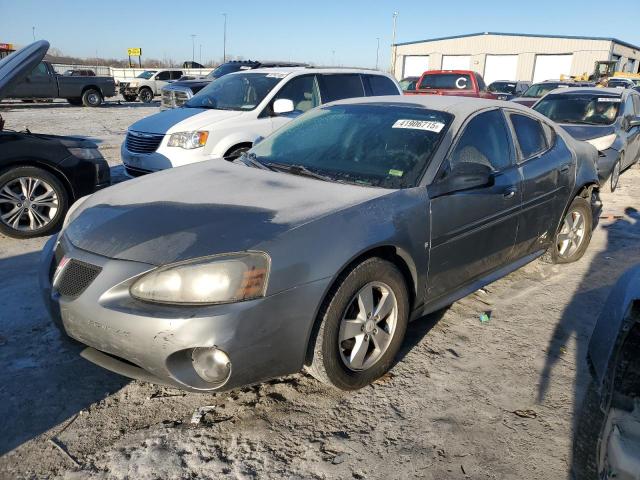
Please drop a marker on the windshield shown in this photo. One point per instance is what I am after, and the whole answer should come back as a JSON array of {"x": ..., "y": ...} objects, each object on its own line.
[
  {"x": 225, "y": 69},
  {"x": 541, "y": 89},
  {"x": 582, "y": 109},
  {"x": 371, "y": 145},
  {"x": 503, "y": 87},
  {"x": 240, "y": 91},
  {"x": 147, "y": 74},
  {"x": 446, "y": 81}
]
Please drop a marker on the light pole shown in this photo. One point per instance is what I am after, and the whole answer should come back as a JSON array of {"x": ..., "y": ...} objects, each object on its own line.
[
  {"x": 33, "y": 32},
  {"x": 377, "y": 51},
  {"x": 193, "y": 47},
  {"x": 224, "y": 39},
  {"x": 393, "y": 45},
  {"x": 333, "y": 58},
  {"x": 200, "y": 54}
]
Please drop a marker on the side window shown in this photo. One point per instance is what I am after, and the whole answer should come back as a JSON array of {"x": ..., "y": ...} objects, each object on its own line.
[
  {"x": 163, "y": 76},
  {"x": 379, "y": 85},
  {"x": 629, "y": 109},
  {"x": 485, "y": 141},
  {"x": 175, "y": 75},
  {"x": 39, "y": 71},
  {"x": 302, "y": 91},
  {"x": 530, "y": 134},
  {"x": 339, "y": 86},
  {"x": 550, "y": 135},
  {"x": 481, "y": 85}
]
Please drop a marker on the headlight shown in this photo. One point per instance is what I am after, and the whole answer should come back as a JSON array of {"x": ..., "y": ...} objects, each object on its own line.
[
  {"x": 602, "y": 143},
  {"x": 86, "y": 153},
  {"x": 188, "y": 140},
  {"x": 218, "y": 279},
  {"x": 132, "y": 84}
]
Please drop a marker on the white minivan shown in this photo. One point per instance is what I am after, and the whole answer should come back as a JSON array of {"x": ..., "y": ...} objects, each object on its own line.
[{"x": 225, "y": 118}]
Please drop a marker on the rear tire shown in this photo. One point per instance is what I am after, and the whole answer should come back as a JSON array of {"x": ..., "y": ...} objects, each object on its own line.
[
  {"x": 145, "y": 95},
  {"x": 378, "y": 333},
  {"x": 92, "y": 98},
  {"x": 573, "y": 235}
]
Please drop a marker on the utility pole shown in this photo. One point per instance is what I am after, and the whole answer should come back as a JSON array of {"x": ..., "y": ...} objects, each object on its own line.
[
  {"x": 377, "y": 51},
  {"x": 33, "y": 32},
  {"x": 193, "y": 47},
  {"x": 393, "y": 45},
  {"x": 333, "y": 58},
  {"x": 224, "y": 39}
]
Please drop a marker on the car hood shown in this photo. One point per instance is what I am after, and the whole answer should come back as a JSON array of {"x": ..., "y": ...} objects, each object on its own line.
[
  {"x": 15, "y": 67},
  {"x": 203, "y": 209},
  {"x": 587, "y": 132},
  {"x": 526, "y": 101},
  {"x": 196, "y": 83},
  {"x": 181, "y": 120}
]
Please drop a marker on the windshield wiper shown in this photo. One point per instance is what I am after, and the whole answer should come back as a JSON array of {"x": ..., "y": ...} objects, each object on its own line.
[
  {"x": 251, "y": 160},
  {"x": 299, "y": 170}
]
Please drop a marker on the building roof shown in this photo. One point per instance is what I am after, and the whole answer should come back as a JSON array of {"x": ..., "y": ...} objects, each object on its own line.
[{"x": 572, "y": 37}]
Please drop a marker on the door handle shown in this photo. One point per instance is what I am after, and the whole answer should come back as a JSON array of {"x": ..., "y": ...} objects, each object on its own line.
[{"x": 509, "y": 194}]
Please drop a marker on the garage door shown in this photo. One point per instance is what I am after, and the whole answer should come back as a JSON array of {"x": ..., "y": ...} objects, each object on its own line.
[
  {"x": 500, "y": 67},
  {"x": 415, "y": 65},
  {"x": 551, "y": 67},
  {"x": 456, "y": 62}
]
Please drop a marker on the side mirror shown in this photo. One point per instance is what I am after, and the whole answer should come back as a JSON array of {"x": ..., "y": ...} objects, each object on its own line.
[
  {"x": 257, "y": 140},
  {"x": 283, "y": 105},
  {"x": 634, "y": 122},
  {"x": 463, "y": 176}
]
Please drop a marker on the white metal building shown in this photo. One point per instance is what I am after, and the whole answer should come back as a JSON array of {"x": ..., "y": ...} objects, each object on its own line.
[{"x": 514, "y": 56}]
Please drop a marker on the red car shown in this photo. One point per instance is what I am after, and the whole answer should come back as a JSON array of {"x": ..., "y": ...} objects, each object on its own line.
[{"x": 462, "y": 83}]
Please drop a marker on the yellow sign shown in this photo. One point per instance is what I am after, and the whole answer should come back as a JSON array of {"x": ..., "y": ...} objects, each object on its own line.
[{"x": 134, "y": 52}]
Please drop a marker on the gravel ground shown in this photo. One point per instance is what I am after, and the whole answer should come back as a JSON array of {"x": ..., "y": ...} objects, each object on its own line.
[{"x": 446, "y": 410}]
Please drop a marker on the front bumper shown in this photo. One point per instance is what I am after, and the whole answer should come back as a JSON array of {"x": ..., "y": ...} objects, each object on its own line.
[
  {"x": 263, "y": 338},
  {"x": 137, "y": 164}
]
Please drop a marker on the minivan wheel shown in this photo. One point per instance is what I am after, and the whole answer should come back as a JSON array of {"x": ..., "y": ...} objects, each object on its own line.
[
  {"x": 236, "y": 152},
  {"x": 145, "y": 95},
  {"x": 573, "y": 236},
  {"x": 32, "y": 202},
  {"x": 364, "y": 320},
  {"x": 92, "y": 98}
]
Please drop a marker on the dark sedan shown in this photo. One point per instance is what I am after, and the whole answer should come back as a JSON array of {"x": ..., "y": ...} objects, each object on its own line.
[
  {"x": 607, "y": 118},
  {"x": 539, "y": 90},
  {"x": 316, "y": 247},
  {"x": 507, "y": 89},
  {"x": 41, "y": 175}
]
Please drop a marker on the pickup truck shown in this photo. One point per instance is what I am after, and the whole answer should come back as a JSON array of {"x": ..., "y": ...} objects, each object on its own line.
[
  {"x": 462, "y": 83},
  {"x": 148, "y": 84},
  {"x": 44, "y": 82}
]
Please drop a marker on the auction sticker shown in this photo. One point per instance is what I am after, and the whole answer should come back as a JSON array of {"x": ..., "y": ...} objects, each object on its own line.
[
  {"x": 426, "y": 125},
  {"x": 609, "y": 99}
]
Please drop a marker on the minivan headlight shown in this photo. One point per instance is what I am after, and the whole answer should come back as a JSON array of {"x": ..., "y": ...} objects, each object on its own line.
[
  {"x": 602, "y": 143},
  {"x": 204, "y": 281},
  {"x": 188, "y": 140}
]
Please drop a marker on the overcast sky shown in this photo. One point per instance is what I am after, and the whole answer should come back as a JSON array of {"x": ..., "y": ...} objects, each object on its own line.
[{"x": 293, "y": 30}]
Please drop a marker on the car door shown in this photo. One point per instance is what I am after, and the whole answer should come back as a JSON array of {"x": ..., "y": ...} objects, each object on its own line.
[
  {"x": 161, "y": 79},
  {"x": 38, "y": 84},
  {"x": 631, "y": 111},
  {"x": 473, "y": 231},
  {"x": 546, "y": 166},
  {"x": 303, "y": 91}
]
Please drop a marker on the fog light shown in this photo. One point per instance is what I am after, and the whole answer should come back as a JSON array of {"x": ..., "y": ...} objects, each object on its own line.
[{"x": 211, "y": 364}]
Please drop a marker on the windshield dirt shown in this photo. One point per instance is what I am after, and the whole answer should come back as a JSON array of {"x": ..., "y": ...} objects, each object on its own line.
[
  {"x": 369, "y": 145},
  {"x": 240, "y": 91},
  {"x": 587, "y": 109}
]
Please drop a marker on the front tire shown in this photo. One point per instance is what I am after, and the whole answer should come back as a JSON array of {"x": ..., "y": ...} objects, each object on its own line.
[
  {"x": 92, "y": 98},
  {"x": 33, "y": 202},
  {"x": 588, "y": 430},
  {"x": 573, "y": 236},
  {"x": 364, "y": 320},
  {"x": 145, "y": 95},
  {"x": 612, "y": 182}
]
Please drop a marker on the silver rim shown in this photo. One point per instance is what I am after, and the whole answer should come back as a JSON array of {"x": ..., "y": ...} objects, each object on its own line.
[
  {"x": 94, "y": 99},
  {"x": 368, "y": 326},
  {"x": 27, "y": 204},
  {"x": 615, "y": 176},
  {"x": 572, "y": 233}
]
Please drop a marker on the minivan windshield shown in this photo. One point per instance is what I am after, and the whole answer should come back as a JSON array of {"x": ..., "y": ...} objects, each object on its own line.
[
  {"x": 378, "y": 145},
  {"x": 580, "y": 109},
  {"x": 147, "y": 74},
  {"x": 238, "y": 91}
]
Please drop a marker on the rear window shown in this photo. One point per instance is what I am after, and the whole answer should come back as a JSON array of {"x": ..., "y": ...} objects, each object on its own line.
[
  {"x": 503, "y": 87},
  {"x": 581, "y": 109},
  {"x": 446, "y": 81},
  {"x": 340, "y": 86},
  {"x": 531, "y": 136},
  {"x": 379, "y": 85}
]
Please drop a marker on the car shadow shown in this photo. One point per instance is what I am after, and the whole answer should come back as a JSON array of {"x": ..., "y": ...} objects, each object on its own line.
[
  {"x": 580, "y": 315},
  {"x": 417, "y": 330},
  {"x": 43, "y": 380},
  {"x": 8, "y": 106}
]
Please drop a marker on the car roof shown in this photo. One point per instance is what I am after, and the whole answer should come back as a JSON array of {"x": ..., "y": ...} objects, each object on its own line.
[
  {"x": 289, "y": 70},
  {"x": 588, "y": 91}
]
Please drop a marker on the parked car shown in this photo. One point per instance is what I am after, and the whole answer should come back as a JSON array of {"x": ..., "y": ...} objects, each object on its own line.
[
  {"x": 607, "y": 118},
  {"x": 178, "y": 93},
  {"x": 79, "y": 72},
  {"x": 607, "y": 440},
  {"x": 225, "y": 118},
  {"x": 620, "y": 82},
  {"x": 41, "y": 175},
  {"x": 148, "y": 84},
  {"x": 507, "y": 89},
  {"x": 539, "y": 90},
  {"x": 408, "y": 84},
  {"x": 44, "y": 83},
  {"x": 316, "y": 247},
  {"x": 461, "y": 83}
]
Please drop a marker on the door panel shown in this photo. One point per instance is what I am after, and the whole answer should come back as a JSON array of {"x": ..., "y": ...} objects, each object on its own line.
[{"x": 39, "y": 84}]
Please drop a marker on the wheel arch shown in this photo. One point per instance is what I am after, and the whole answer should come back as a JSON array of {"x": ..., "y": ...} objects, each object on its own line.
[
  {"x": 89, "y": 87},
  {"x": 396, "y": 255},
  {"x": 37, "y": 163},
  {"x": 237, "y": 145}
]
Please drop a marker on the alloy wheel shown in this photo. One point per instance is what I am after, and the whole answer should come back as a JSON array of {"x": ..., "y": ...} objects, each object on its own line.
[
  {"x": 368, "y": 326},
  {"x": 572, "y": 233},
  {"x": 28, "y": 204}
]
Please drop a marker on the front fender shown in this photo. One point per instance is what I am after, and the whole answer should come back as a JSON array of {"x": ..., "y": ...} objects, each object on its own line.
[{"x": 226, "y": 143}]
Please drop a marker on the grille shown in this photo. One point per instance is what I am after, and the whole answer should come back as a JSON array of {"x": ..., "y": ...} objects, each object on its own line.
[
  {"x": 180, "y": 98},
  {"x": 143, "y": 142},
  {"x": 76, "y": 277},
  {"x": 167, "y": 99}
]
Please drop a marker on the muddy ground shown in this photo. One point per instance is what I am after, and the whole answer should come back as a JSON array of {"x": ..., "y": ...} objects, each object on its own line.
[{"x": 445, "y": 411}]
